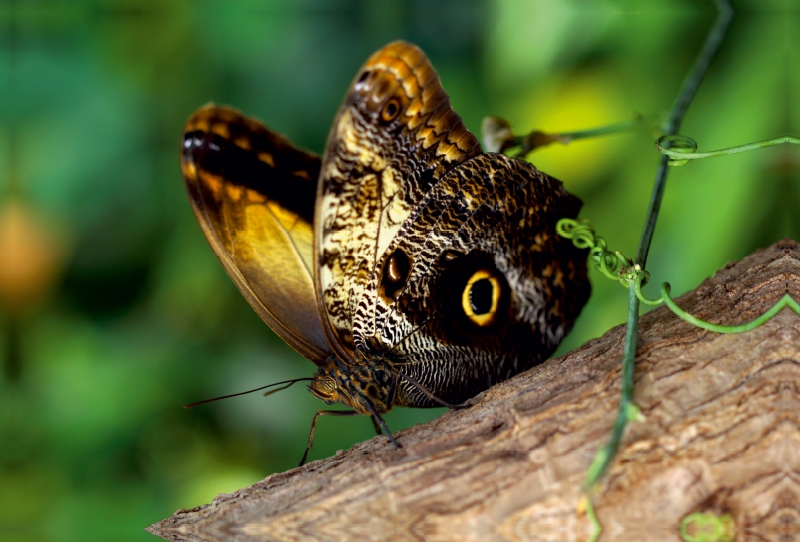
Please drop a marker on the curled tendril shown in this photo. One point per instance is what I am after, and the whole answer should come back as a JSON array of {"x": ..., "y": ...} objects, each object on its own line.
[
  {"x": 679, "y": 145},
  {"x": 681, "y": 149},
  {"x": 613, "y": 265},
  {"x": 617, "y": 267}
]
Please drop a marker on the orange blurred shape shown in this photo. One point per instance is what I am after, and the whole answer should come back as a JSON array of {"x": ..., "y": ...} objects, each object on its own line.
[{"x": 30, "y": 257}]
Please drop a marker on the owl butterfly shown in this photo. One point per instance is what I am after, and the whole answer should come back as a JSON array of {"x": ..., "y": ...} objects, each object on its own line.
[{"x": 411, "y": 267}]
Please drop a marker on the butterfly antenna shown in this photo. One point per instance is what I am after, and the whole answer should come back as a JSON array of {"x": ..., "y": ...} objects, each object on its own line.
[{"x": 286, "y": 382}]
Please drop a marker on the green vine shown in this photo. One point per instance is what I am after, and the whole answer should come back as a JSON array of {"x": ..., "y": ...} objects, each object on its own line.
[
  {"x": 586, "y": 507},
  {"x": 682, "y": 149},
  {"x": 634, "y": 274},
  {"x": 676, "y": 150},
  {"x": 616, "y": 266},
  {"x": 613, "y": 265}
]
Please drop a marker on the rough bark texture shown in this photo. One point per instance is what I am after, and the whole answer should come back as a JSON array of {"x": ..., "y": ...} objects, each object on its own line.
[{"x": 722, "y": 435}]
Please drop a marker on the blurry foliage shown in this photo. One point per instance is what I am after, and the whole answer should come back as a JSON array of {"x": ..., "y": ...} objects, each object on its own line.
[{"x": 132, "y": 316}]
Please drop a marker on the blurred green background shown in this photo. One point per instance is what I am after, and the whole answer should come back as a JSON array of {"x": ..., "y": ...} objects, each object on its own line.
[{"x": 115, "y": 312}]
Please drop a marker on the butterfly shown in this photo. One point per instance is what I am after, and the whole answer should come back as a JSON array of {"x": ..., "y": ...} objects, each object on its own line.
[{"x": 411, "y": 267}]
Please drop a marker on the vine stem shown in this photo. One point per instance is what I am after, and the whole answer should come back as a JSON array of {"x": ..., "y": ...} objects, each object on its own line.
[
  {"x": 673, "y": 121},
  {"x": 616, "y": 266},
  {"x": 627, "y": 408},
  {"x": 681, "y": 154},
  {"x": 605, "y": 130},
  {"x": 785, "y": 301}
]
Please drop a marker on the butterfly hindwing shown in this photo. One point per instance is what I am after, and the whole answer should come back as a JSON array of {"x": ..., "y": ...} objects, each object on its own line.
[
  {"x": 253, "y": 195},
  {"x": 490, "y": 222},
  {"x": 395, "y": 136}
]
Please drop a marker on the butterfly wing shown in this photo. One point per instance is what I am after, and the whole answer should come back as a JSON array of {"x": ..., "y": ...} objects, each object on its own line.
[
  {"x": 395, "y": 136},
  {"x": 431, "y": 254},
  {"x": 253, "y": 195},
  {"x": 491, "y": 288}
]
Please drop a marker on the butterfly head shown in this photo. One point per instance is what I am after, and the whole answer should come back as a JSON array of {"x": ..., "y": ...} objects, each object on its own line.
[{"x": 358, "y": 386}]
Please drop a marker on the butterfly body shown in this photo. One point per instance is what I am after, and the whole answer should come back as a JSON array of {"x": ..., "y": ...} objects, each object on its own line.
[
  {"x": 372, "y": 381},
  {"x": 414, "y": 269}
]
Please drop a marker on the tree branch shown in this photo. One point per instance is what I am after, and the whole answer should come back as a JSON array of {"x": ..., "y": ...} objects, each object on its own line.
[{"x": 721, "y": 436}]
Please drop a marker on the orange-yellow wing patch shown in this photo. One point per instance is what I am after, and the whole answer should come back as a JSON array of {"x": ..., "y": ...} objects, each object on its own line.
[{"x": 253, "y": 195}]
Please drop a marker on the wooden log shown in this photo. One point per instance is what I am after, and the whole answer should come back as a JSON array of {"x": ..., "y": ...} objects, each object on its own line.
[{"x": 722, "y": 435}]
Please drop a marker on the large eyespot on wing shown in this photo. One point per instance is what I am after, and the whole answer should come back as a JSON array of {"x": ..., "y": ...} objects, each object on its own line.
[
  {"x": 253, "y": 194},
  {"x": 490, "y": 290},
  {"x": 395, "y": 136}
]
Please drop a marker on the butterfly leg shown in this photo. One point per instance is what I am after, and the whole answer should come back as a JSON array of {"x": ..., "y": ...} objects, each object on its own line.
[
  {"x": 375, "y": 424},
  {"x": 314, "y": 427},
  {"x": 376, "y": 418}
]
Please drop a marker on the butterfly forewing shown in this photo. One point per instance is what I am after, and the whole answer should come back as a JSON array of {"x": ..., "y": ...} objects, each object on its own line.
[
  {"x": 253, "y": 194},
  {"x": 395, "y": 136}
]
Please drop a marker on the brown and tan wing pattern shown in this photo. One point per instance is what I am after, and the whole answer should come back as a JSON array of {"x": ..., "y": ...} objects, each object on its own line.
[
  {"x": 395, "y": 136},
  {"x": 492, "y": 217},
  {"x": 253, "y": 195}
]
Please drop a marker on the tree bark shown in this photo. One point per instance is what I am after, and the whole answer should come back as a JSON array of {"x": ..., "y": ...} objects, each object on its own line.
[{"x": 722, "y": 435}]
